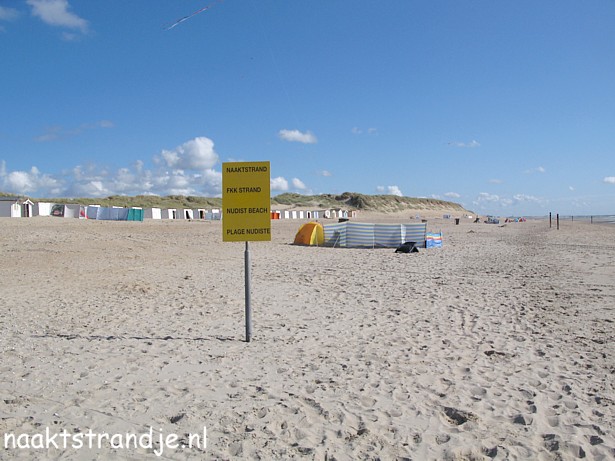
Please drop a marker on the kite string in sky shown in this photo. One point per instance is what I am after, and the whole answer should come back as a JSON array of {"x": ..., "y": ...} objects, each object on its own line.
[{"x": 179, "y": 21}]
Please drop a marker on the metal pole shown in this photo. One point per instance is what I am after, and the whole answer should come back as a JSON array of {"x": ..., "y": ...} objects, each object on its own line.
[
  {"x": 550, "y": 220},
  {"x": 248, "y": 305},
  {"x": 557, "y": 219}
]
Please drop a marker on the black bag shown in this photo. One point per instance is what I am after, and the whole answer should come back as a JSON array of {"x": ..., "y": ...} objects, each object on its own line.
[{"x": 407, "y": 247}]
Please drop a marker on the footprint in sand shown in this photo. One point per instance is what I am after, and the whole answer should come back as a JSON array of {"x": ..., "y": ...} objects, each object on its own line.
[{"x": 367, "y": 402}]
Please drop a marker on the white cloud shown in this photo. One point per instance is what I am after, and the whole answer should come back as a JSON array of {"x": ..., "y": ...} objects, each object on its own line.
[
  {"x": 56, "y": 132},
  {"x": 356, "y": 130},
  {"x": 8, "y": 14},
  {"x": 609, "y": 180},
  {"x": 51, "y": 134},
  {"x": 27, "y": 182},
  {"x": 140, "y": 181},
  {"x": 105, "y": 124},
  {"x": 526, "y": 198},
  {"x": 389, "y": 190},
  {"x": 196, "y": 154},
  {"x": 209, "y": 182},
  {"x": 471, "y": 144},
  {"x": 325, "y": 173},
  {"x": 538, "y": 169},
  {"x": 95, "y": 189},
  {"x": 486, "y": 197},
  {"x": 495, "y": 181},
  {"x": 297, "y": 136},
  {"x": 279, "y": 184},
  {"x": 56, "y": 13},
  {"x": 452, "y": 195},
  {"x": 298, "y": 184},
  {"x": 188, "y": 175},
  {"x": 487, "y": 201},
  {"x": 571, "y": 188}
]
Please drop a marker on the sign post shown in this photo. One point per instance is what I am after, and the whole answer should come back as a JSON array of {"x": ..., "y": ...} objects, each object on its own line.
[{"x": 246, "y": 216}]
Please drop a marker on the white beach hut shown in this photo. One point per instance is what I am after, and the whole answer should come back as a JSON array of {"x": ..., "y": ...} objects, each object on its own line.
[
  {"x": 10, "y": 207},
  {"x": 199, "y": 213},
  {"x": 184, "y": 213},
  {"x": 170, "y": 213},
  {"x": 68, "y": 211},
  {"x": 152, "y": 213},
  {"x": 42, "y": 208},
  {"x": 27, "y": 209}
]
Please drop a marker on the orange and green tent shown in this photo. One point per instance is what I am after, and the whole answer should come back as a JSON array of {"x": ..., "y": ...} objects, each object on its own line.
[{"x": 311, "y": 233}]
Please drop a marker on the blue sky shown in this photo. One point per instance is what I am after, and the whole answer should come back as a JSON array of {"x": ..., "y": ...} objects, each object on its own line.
[{"x": 504, "y": 107}]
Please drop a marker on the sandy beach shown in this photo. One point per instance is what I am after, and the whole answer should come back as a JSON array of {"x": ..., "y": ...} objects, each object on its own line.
[{"x": 498, "y": 346}]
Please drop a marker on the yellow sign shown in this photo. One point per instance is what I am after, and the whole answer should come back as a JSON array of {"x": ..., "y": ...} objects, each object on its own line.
[{"x": 246, "y": 202}]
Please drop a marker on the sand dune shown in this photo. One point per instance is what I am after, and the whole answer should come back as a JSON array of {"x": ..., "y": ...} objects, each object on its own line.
[{"x": 500, "y": 345}]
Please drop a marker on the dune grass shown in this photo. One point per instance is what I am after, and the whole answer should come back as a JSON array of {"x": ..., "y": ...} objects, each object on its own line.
[{"x": 348, "y": 200}]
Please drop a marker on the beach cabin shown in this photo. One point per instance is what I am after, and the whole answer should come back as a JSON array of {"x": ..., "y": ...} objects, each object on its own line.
[
  {"x": 10, "y": 207},
  {"x": 42, "y": 208},
  {"x": 216, "y": 214},
  {"x": 27, "y": 209},
  {"x": 184, "y": 213},
  {"x": 327, "y": 214},
  {"x": 286, "y": 214},
  {"x": 170, "y": 213},
  {"x": 135, "y": 214},
  {"x": 199, "y": 213},
  {"x": 152, "y": 213},
  {"x": 68, "y": 211}
]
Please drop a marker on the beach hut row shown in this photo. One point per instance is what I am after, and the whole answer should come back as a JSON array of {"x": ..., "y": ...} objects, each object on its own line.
[
  {"x": 15, "y": 207},
  {"x": 312, "y": 214},
  {"x": 184, "y": 213}
]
